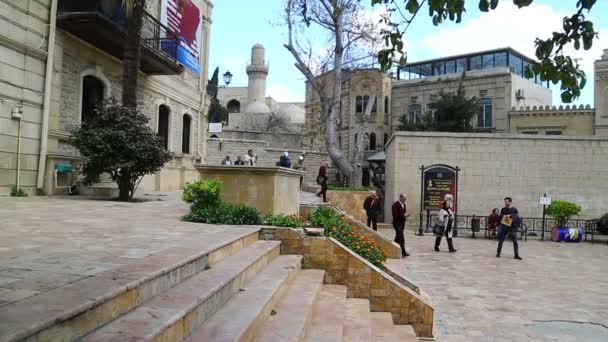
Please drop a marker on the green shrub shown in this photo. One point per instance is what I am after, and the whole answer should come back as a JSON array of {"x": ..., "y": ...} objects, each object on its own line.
[
  {"x": 324, "y": 217},
  {"x": 225, "y": 213},
  {"x": 203, "y": 194},
  {"x": 293, "y": 221},
  {"x": 17, "y": 192},
  {"x": 562, "y": 211}
]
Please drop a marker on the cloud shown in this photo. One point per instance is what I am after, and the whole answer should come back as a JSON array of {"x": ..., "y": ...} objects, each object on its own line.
[
  {"x": 282, "y": 93},
  {"x": 509, "y": 26}
]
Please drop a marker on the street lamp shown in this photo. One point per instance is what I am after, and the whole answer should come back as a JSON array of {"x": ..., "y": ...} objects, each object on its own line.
[{"x": 227, "y": 77}]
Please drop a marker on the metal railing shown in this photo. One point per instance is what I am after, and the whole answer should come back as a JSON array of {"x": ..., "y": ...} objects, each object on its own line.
[
  {"x": 530, "y": 226},
  {"x": 154, "y": 35}
]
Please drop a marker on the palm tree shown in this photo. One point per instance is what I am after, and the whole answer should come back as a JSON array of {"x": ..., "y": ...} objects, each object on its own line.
[{"x": 131, "y": 58}]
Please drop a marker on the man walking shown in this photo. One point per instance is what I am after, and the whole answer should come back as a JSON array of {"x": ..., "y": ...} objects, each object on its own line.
[
  {"x": 400, "y": 215},
  {"x": 509, "y": 222},
  {"x": 372, "y": 209}
]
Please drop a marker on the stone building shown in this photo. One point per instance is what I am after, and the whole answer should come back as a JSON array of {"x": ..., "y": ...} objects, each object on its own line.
[
  {"x": 84, "y": 55},
  {"x": 250, "y": 109}
]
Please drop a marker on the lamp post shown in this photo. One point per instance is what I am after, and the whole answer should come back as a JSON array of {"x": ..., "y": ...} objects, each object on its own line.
[{"x": 227, "y": 77}]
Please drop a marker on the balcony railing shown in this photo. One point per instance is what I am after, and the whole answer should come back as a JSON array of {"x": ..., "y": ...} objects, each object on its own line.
[{"x": 103, "y": 23}]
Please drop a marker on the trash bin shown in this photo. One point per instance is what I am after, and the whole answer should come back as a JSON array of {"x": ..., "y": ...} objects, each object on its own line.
[
  {"x": 566, "y": 234},
  {"x": 475, "y": 224}
]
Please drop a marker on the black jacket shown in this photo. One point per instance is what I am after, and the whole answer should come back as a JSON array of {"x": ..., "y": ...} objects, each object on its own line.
[{"x": 372, "y": 210}]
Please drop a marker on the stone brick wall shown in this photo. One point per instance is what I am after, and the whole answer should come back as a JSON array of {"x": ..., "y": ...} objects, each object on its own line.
[
  {"x": 218, "y": 149},
  {"x": 495, "y": 165},
  {"x": 350, "y": 201},
  {"x": 278, "y": 140},
  {"x": 574, "y": 121}
]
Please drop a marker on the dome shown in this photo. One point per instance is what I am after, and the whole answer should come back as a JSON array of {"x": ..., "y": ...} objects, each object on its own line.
[
  {"x": 257, "y": 107},
  {"x": 294, "y": 112}
]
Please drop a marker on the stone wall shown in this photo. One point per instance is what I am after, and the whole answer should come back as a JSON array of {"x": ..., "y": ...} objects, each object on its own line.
[
  {"x": 350, "y": 201},
  {"x": 574, "y": 121},
  {"x": 493, "y": 166},
  {"x": 284, "y": 140},
  {"x": 218, "y": 149}
]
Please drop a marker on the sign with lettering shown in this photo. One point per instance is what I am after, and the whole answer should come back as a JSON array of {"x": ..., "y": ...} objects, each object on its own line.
[
  {"x": 545, "y": 200},
  {"x": 438, "y": 181}
]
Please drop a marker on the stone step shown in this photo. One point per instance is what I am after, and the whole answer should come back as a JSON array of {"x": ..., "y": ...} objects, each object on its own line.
[
  {"x": 74, "y": 310},
  {"x": 174, "y": 314},
  {"x": 357, "y": 321},
  {"x": 383, "y": 329},
  {"x": 328, "y": 315},
  {"x": 290, "y": 318},
  {"x": 239, "y": 318},
  {"x": 405, "y": 333}
]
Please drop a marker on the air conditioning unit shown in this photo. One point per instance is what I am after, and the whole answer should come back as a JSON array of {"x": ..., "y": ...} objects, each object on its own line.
[{"x": 519, "y": 94}]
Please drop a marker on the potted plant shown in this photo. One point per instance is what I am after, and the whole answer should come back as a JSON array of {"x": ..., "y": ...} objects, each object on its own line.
[{"x": 562, "y": 211}]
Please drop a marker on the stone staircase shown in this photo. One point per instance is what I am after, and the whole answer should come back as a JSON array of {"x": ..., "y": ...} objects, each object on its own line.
[{"x": 240, "y": 291}]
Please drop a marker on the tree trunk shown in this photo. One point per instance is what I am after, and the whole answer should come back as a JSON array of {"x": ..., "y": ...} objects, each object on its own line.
[
  {"x": 131, "y": 58},
  {"x": 359, "y": 157},
  {"x": 125, "y": 187}
]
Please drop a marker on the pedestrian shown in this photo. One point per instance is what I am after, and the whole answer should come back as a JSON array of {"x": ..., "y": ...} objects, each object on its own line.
[
  {"x": 509, "y": 222},
  {"x": 251, "y": 158},
  {"x": 239, "y": 161},
  {"x": 493, "y": 221},
  {"x": 299, "y": 165},
  {"x": 400, "y": 216},
  {"x": 445, "y": 219},
  {"x": 227, "y": 161},
  {"x": 372, "y": 209},
  {"x": 284, "y": 160},
  {"x": 322, "y": 179}
]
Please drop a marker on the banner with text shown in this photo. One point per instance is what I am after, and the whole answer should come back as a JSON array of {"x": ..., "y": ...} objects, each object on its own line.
[
  {"x": 438, "y": 181},
  {"x": 183, "y": 19}
]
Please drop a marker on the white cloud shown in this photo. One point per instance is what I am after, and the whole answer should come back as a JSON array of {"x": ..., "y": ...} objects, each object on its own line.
[
  {"x": 517, "y": 28},
  {"x": 282, "y": 93}
]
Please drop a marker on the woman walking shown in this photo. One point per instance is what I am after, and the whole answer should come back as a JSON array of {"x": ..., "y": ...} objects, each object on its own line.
[
  {"x": 445, "y": 218},
  {"x": 322, "y": 178}
]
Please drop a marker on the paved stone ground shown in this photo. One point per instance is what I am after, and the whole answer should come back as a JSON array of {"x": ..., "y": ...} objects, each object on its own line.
[
  {"x": 46, "y": 243},
  {"x": 309, "y": 198},
  {"x": 559, "y": 292}
]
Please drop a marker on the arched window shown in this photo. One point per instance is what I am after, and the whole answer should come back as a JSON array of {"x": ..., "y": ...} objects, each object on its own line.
[
  {"x": 366, "y": 142},
  {"x": 386, "y": 104},
  {"x": 93, "y": 91},
  {"x": 359, "y": 104},
  {"x": 484, "y": 115},
  {"x": 186, "y": 134},
  {"x": 233, "y": 106},
  {"x": 414, "y": 113},
  {"x": 372, "y": 141},
  {"x": 163, "y": 124}
]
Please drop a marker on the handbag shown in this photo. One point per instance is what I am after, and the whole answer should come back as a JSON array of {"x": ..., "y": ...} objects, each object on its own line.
[{"x": 438, "y": 229}]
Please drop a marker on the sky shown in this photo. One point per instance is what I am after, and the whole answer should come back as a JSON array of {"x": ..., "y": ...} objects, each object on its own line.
[{"x": 239, "y": 24}]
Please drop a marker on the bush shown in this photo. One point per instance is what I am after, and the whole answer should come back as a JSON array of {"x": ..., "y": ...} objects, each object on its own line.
[
  {"x": 225, "y": 213},
  {"x": 562, "y": 211},
  {"x": 17, "y": 192},
  {"x": 336, "y": 227},
  {"x": 293, "y": 221},
  {"x": 203, "y": 194}
]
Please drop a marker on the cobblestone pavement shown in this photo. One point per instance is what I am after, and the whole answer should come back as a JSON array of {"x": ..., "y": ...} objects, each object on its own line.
[
  {"x": 46, "y": 243},
  {"x": 559, "y": 292}
]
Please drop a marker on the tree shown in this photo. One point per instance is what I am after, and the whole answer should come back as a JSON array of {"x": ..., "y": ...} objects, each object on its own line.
[
  {"x": 132, "y": 55},
  {"x": 451, "y": 112},
  {"x": 350, "y": 40},
  {"x": 553, "y": 64},
  {"x": 217, "y": 112},
  {"x": 271, "y": 122},
  {"x": 118, "y": 141}
]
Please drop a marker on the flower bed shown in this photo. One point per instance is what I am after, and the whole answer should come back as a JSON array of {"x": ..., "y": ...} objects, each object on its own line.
[
  {"x": 291, "y": 221},
  {"x": 337, "y": 227}
]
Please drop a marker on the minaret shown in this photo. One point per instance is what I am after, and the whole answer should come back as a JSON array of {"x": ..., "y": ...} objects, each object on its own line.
[
  {"x": 601, "y": 95},
  {"x": 257, "y": 71}
]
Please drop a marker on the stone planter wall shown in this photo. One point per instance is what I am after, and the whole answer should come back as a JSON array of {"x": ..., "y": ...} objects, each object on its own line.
[{"x": 349, "y": 201}]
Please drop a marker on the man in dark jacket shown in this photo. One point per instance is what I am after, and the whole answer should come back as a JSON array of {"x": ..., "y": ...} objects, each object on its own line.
[
  {"x": 509, "y": 222},
  {"x": 284, "y": 161},
  {"x": 372, "y": 209},
  {"x": 400, "y": 215}
]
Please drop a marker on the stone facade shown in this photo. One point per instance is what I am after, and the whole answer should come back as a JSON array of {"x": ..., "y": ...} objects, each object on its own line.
[
  {"x": 72, "y": 60},
  {"x": 23, "y": 54},
  {"x": 574, "y": 121},
  {"x": 493, "y": 166},
  {"x": 601, "y": 95}
]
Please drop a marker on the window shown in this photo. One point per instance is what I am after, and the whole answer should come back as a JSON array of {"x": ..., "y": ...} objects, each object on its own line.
[
  {"x": 372, "y": 141},
  {"x": 488, "y": 61},
  {"x": 366, "y": 142},
  {"x": 233, "y": 106},
  {"x": 93, "y": 91},
  {"x": 365, "y": 102},
  {"x": 374, "y": 105},
  {"x": 530, "y": 132},
  {"x": 385, "y": 139},
  {"x": 484, "y": 116},
  {"x": 475, "y": 62},
  {"x": 186, "y": 134},
  {"x": 450, "y": 67},
  {"x": 386, "y": 104},
  {"x": 516, "y": 65},
  {"x": 340, "y": 141},
  {"x": 163, "y": 125},
  {"x": 359, "y": 104},
  {"x": 438, "y": 68},
  {"x": 500, "y": 60},
  {"x": 553, "y": 132},
  {"x": 414, "y": 112},
  {"x": 461, "y": 65}
]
